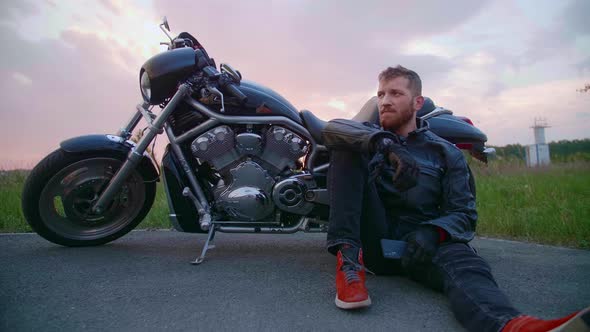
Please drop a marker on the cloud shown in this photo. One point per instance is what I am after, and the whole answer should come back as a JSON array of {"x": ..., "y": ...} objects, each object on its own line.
[
  {"x": 22, "y": 79},
  {"x": 558, "y": 38},
  {"x": 111, "y": 6},
  {"x": 13, "y": 10},
  {"x": 298, "y": 48},
  {"x": 583, "y": 66},
  {"x": 575, "y": 18},
  {"x": 506, "y": 117},
  {"x": 77, "y": 89},
  {"x": 78, "y": 74}
]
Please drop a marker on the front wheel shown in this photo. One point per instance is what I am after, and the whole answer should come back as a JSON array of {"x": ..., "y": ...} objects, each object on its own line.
[{"x": 59, "y": 194}]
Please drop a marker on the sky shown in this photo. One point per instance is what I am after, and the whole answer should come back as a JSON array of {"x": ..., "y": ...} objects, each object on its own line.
[{"x": 70, "y": 68}]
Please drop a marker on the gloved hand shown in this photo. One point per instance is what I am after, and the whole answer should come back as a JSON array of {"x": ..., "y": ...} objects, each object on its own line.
[
  {"x": 405, "y": 168},
  {"x": 422, "y": 246}
]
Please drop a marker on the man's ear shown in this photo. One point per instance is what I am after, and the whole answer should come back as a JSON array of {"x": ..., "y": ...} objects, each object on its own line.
[{"x": 418, "y": 103}]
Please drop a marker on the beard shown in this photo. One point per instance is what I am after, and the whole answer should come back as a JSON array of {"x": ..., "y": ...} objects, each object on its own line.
[{"x": 394, "y": 120}]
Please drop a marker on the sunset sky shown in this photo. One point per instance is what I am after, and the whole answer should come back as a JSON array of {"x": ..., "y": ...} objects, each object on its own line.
[{"x": 71, "y": 67}]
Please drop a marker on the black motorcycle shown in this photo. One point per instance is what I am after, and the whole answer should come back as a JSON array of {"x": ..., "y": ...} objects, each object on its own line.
[{"x": 241, "y": 158}]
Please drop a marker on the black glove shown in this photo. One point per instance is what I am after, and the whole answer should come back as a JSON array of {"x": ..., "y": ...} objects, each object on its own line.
[
  {"x": 405, "y": 168},
  {"x": 422, "y": 246}
]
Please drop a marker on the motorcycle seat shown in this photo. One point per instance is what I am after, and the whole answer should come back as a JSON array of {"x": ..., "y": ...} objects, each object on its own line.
[
  {"x": 370, "y": 113},
  {"x": 426, "y": 108},
  {"x": 314, "y": 125}
]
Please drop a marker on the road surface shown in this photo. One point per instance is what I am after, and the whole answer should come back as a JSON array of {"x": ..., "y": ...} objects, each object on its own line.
[{"x": 249, "y": 282}]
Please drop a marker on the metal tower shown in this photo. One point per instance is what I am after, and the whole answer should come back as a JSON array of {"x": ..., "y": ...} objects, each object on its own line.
[{"x": 538, "y": 154}]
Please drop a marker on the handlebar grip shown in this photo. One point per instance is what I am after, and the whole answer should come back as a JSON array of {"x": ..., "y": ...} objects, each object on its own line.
[{"x": 235, "y": 91}]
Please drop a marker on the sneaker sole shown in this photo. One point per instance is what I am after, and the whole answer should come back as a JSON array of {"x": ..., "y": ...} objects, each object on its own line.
[
  {"x": 578, "y": 323},
  {"x": 352, "y": 305}
]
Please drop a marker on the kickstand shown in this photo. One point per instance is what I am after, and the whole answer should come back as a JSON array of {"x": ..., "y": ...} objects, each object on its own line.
[{"x": 206, "y": 247}]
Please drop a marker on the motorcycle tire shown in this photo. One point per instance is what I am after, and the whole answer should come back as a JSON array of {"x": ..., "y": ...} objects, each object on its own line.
[{"x": 60, "y": 191}]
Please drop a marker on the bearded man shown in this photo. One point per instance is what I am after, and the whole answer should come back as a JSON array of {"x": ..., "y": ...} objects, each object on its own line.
[{"x": 436, "y": 217}]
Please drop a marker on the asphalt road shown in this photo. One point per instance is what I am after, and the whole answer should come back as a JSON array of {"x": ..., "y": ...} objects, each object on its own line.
[{"x": 249, "y": 282}]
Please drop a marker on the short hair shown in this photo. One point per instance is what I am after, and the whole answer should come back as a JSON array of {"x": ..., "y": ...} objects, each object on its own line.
[{"x": 414, "y": 81}]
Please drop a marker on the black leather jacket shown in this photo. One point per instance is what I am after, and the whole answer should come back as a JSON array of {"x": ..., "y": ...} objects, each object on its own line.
[{"x": 443, "y": 194}]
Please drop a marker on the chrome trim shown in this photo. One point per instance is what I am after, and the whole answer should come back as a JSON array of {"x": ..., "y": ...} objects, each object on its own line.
[
  {"x": 259, "y": 120},
  {"x": 203, "y": 127},
  {"x": 136, "y": 153},
  {"x": 321, "y": 168},
  {"x": 147, "y": 114},
  {"x": 302, "y": 225},
  {"x": 226, "y": 68},
  {"x": 126, "y": 131},
  {"x": 218, "y": 93},
  {"x": 247, "y": 223},
  {"x": 200, "y": 200},
  {"x": 436, "y": 112}
]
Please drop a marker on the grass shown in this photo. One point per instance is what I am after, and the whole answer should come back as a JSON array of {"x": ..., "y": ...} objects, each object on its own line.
[
  {"x": 11, "y": 215},
  {"x": 549, "y": 205},
  {"x": 545, "y": 205}
]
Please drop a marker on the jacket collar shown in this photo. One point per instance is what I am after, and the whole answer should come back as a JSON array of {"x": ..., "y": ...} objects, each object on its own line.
[{"x": 422, "y": 126}]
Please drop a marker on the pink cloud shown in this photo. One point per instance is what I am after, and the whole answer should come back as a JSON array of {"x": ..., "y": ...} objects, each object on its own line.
[
  {"x": 75, "y": 89},
  {"x": 323, "y": 56}
]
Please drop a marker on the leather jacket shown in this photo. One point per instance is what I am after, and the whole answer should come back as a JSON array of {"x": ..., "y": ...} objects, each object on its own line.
[{"x": 442, "y": 197}]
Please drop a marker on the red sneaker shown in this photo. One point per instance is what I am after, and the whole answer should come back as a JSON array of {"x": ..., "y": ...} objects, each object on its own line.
[
  {"x": 576, "y": 322},
  {"x": 351, "y": 292}
]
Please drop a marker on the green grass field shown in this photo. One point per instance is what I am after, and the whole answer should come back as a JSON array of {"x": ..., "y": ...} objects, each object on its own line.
[{"x": 546, "y": 205}]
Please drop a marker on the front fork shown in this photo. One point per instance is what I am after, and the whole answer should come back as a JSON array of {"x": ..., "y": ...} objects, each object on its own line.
[{"x": 155, "y": 127}]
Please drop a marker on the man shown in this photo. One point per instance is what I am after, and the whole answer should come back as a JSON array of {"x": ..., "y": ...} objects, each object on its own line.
[{"x": 437, "y": 218}]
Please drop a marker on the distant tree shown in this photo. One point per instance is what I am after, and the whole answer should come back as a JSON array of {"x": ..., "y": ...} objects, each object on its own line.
[
  {"x": 510, "y": 151},
  {"x": 575, "y": 150},
  {"x": 586, "y": 88},
  {"x": 560, "y": 151}
]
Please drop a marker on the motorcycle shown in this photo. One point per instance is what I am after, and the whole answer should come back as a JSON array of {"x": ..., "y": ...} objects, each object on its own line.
[{"x": 240, "y": 158}]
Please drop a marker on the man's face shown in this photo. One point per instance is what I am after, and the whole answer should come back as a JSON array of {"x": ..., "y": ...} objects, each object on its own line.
[{"x": 397, "y": 105}]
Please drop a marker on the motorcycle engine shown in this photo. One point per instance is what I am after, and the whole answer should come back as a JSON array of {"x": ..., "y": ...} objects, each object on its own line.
[{"x": 249, "y": 163}]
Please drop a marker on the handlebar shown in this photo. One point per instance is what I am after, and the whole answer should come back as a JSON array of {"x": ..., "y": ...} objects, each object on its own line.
[
  {"x": 235, "y": 91},
  {"x": 225, "y": 83}
]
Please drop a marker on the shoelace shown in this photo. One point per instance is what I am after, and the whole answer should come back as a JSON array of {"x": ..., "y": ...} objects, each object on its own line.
[{"x": 350, "y": 270}]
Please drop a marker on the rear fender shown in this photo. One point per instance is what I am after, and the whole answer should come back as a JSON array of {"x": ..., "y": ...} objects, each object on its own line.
[
  {"x": 101, "y": 143},
  {"x": 455, "y": 130}
]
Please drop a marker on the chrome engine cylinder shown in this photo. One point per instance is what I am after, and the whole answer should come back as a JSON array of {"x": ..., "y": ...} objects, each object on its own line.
[
  {"x": 283, "y": 148},
  {"x": 249, "y": 164},
  {"x": 216, "y": 146}
]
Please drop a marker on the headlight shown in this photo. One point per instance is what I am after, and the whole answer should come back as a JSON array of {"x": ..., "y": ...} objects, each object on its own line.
[{"x": 144, "y": 84}]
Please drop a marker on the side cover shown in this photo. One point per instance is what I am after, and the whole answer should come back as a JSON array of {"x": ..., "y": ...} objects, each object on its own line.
[{"x": 183, "y": 214}]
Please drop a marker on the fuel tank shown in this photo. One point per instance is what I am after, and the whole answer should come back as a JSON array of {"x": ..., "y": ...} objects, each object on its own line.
[{"x": 262, "y": 101}]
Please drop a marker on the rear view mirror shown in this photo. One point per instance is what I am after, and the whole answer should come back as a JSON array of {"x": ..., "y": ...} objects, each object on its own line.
[{"x": 165, "y": 23}]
